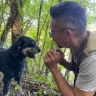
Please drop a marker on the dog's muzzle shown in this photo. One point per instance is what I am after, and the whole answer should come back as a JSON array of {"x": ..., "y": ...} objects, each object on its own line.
[{"x": 31, "y": 52}]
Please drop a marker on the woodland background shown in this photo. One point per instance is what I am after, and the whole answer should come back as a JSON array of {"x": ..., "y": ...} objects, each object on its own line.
[{"x": 32, "y": 18}]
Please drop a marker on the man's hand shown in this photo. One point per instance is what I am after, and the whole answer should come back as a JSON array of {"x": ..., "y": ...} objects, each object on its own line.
[{"x": 52, "y": 58}]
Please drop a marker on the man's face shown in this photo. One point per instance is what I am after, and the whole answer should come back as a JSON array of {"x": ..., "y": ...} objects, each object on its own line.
[{"x": 58, "y": 35}]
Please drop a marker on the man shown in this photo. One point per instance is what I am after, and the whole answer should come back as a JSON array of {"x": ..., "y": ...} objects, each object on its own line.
[{"x": 68, "y": 29}]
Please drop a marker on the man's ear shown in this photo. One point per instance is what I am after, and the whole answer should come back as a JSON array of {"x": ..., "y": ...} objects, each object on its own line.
[{"x": 68, "y": 33}]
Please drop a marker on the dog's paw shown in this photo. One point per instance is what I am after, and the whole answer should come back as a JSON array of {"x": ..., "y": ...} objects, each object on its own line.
[
  {"x": 20, "y": 93},
  {"x": 5, "y": 95}
]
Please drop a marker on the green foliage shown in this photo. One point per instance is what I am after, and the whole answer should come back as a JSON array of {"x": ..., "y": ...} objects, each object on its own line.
[
  {"x": 40, "y": 78},
  {"x": 30, "y": 14},
  {"x": 14, "y": 83},
  {"x": 33, "y": 25}
]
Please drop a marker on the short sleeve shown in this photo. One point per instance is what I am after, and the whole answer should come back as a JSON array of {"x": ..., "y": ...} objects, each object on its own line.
[{"x": 86, "y": 79}]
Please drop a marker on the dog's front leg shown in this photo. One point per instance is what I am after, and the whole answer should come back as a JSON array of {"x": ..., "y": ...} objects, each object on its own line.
[
  {"x": 6, "y": 83},
  {"x": 20, "y": 90},
  {"x": 19, "y": 82}
]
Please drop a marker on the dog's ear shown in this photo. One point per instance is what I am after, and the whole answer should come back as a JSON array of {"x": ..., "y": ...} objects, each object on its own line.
[
  {"x": 17, "y": 46},
  {"x": 20, "y": 41}
]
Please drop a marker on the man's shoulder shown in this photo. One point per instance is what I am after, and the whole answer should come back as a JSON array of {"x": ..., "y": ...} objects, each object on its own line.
[
  {"x": 89, "y": 62},
  {"x": 91, "y": 44},
  {"x": 86, "y": 79}
]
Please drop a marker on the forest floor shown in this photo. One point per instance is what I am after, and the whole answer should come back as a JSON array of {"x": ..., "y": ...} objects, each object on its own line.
[{"x": 31, "y": 88}]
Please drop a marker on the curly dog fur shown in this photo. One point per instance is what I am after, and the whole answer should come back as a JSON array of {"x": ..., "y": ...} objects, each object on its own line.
[{"x": 12, "y": 60}]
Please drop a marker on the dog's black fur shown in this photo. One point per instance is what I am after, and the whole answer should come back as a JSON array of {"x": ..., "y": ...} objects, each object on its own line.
[{"x": 12, "y": 60}]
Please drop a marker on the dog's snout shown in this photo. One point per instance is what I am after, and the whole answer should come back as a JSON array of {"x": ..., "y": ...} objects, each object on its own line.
[
  {"x": 37, "y": 47},
  {"x": 39, "y": 50}
]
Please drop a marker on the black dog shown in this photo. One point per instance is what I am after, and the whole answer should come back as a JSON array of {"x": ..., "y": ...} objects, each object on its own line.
[{"x": 12, "y": 60}]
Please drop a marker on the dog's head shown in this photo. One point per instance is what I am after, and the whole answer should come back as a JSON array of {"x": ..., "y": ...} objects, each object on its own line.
[{"x": 26, "y": 46}]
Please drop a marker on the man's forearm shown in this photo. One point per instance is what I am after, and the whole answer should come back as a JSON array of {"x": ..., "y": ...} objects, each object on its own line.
[
  {"x": 62, "y": 84},
  {"x": 66, "y": 64}
]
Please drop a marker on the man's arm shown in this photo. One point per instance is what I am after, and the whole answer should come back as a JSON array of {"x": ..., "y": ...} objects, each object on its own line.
[
  {"x": 64, "y": 88},
  {"x": 51, "y": 59},
  {"x": 63, "y": 62},
  {"x": 66, "y": 64}
]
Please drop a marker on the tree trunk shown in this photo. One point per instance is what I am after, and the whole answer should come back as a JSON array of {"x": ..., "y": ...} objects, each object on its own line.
[
  {"x": 13, "y": 21},
  {"x": 16, "y": 28},
  {"x": 60, "y": 1}
]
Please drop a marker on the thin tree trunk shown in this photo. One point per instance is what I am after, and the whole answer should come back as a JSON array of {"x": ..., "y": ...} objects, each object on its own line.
[
  {"x": 38, "y": 28},
  {"x": 16, "y": 28},
  {"x": 60, "y": 1},
  {"x": 67, "y": 71},
  {"x": 11, "y": 19},
  {"x": 46, "y": 31}
]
